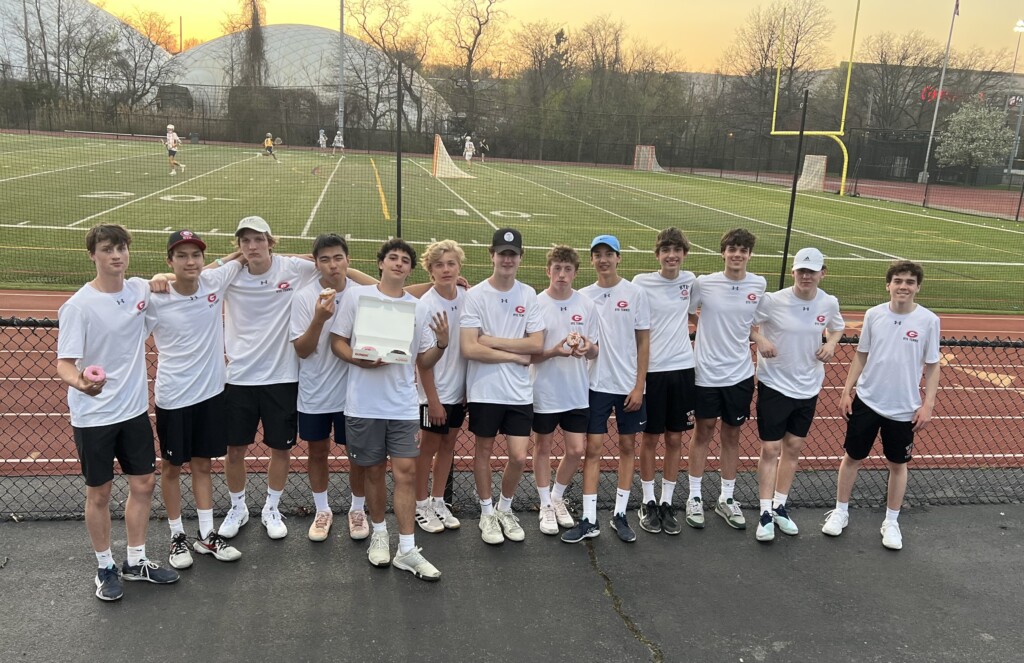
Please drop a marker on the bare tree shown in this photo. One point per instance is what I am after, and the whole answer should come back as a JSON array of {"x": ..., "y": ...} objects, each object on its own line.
[
  {"x": 754, "y": 53},
  {"x": 142, "y": 64},
  {"x": 254, "y": 67},
  {"x": 540, "y": 56},
  {"x": 472, "y": 32}
]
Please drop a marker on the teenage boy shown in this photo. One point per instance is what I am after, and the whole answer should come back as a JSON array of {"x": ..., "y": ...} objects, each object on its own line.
[
  {"x": 322, "y": 383},
  {"x": 561, "y": 384},
  {"x": 790, "y": 371},
  {"x": 173, "y": 142},
  {"x": 670, "y": 378},
  {"x": 501, "y": 328},
  {"x": 617, "y": 379},
  {"x": 381, "y": 410},
  {"x": 104, "y": 325},
  {"x": 441, "y": 389},
  {"x": 899, "y": 340},
  {"x": 724, "y": 370},
  {"x": 188, "y": 328}
]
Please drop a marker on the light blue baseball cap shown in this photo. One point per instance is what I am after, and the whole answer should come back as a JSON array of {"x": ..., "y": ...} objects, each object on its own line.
[{"x": 610, "y": 240}]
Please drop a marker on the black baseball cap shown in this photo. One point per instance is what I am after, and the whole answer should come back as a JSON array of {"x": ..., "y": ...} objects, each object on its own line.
[
  {"x": 507, "y": 239},
  {"x": 184, "y": 237}
]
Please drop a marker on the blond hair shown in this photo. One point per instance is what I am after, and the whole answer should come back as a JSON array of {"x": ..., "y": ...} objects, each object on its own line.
[{"x": 435, "y": 251}]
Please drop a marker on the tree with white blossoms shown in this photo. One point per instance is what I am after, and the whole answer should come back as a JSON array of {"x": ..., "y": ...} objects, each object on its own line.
[{"x": 976, "y": 135}]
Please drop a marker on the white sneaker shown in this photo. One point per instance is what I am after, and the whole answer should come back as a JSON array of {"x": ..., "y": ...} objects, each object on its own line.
[
  {"x": 835, "y": 522},
  {"x": 892, "y": 538},
  {"x": 174, "y": 172},
  {"x": 235, "y": 518},
  {"x": 786, "y": 525},
  {"x": 321, "y": 527},
  {"x": 562, "y": 514},
  {"x": 490, "y": 530},
  {"x": 273, "y": 521},
  {"x": 730, "y": 510},
  {"x": 180, "y": 557},
  {"x": 444, "y": 514},
  {"x": 379, "y": 552},
  {"x": 427, "y": 519},
  {"x": 548, "y": 521},
  {"x": 414, "y": 562},
  {"x": 765, "y": 527},
  {"x": 182, "y": 166},
  {"x": 510, "y": 526}
]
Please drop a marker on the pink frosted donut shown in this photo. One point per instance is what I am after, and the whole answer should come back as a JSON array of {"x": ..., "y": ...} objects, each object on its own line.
[{"x": 95, "y": 373}]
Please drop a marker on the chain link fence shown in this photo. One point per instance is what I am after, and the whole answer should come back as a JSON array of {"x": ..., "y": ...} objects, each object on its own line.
[{"x": 971, "y": 453}]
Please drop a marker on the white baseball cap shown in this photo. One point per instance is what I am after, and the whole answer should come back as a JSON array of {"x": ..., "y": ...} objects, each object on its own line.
[
  {"x": 809, "y": 258},
  {"x": 256, "y": 223},
  {"x": 170, "y": 127}
]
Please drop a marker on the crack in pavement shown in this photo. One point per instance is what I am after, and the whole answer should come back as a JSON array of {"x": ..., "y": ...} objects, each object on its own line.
[{"x": 657, "y": 655}]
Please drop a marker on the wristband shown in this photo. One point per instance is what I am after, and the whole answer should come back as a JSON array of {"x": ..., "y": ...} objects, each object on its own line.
[
  {"x": 219, "y": 262},
  {"x": 440, "y": 347}
]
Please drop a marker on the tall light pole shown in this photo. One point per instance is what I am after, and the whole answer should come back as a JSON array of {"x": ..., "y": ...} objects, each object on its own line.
[
  {"x": 1019, "y": 29},
  {"x": 922, "y": 177},
  {"x": 341, "y": 72}
]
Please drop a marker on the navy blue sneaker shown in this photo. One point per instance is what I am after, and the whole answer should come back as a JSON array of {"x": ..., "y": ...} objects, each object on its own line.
[
  {"x": 150, "y": 572},
  {"x": 108, "y": 584},
  {"x": 621, "y": 526},
  {"x": 584, "y": 529}
]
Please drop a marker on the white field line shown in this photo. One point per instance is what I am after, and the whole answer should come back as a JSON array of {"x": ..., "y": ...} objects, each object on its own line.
[
  {"x": 45, "y": 149},
  {"x": 776, "y": 189},
  {"x": 464, "y": 201},
  {"x": 575, "y": 199},
  {"x": 150, "y": 195},
  {"x": 305, "y": 228},
  {"x": 84, "y": 165},
  {"x": 721, "y": 211}
]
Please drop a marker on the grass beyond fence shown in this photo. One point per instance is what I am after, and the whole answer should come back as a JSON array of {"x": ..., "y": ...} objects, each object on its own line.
[{"x": 53, "y": 188}]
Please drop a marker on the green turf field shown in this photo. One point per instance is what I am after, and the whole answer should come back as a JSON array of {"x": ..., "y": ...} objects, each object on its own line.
[{"x": 53, "y": 188}]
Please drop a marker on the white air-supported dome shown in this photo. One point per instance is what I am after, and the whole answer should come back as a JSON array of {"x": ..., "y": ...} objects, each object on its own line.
[{"x": 303, "y": 56}]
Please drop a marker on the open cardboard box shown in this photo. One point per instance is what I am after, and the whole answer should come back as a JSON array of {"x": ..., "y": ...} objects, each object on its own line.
[{"x": 384, "y": 330}]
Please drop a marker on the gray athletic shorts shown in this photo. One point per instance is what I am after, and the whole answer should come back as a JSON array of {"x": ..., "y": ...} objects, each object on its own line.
[{"x": 371, "y": 441}]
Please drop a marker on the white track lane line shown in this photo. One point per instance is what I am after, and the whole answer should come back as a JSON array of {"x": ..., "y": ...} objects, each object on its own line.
[
  {"x": 84, "y": 165},
  {"x": 305, "y": 228},
  {"x": 464, "y": 201}
]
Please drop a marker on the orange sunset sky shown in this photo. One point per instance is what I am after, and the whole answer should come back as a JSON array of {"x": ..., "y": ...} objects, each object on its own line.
[{"x": 697, "y": 30}]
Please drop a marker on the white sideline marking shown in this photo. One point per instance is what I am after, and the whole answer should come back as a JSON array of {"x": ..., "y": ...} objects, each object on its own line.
[
  {"x": 727, "y": 213},
  {"x": 465, "y": 202},
  {"x": 305, "y": 228},
  {"x": 61, "y": 170},
  {"x": 150, "y": 195}
]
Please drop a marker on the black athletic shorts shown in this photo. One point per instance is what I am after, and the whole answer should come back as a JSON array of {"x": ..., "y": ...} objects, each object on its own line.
[
  {"x": 778, "y": 414},
  {"x": 196, "y": 431},
  {"x": 317, "y": 427},
  {"x": 864, "y": 426},
  {"x": 601, "y": 406},
  {"x": 489, "y": 419},
  {"x": 456, "y": 415},
  {"x": 671, "y": 400},
  {"x": 130, "y": 442},
  {"x": 731, "y": 404},
  {"x": 273, "y": 405},
  {"x": 570, "y": 421}
]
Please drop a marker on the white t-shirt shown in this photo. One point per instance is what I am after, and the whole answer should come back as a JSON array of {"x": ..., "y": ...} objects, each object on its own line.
[
  {"x": 670, "y": 332},
  {"x": 795, "y": 327},
  {"x": 622, "y": 309},
  {"x": 898, "y": 347},
  {"x": 561, "y": 384},
  {"x": 189, "y": 334},
  {"x": 257, "y": 320},
  {"x": 512, "y": 314},
  {"x": 172, "y": 141},
  {"x": 450, "y": 370},
  {"x": 107, "y": 330},
  {"x": 727, "y": 309},
  {"x": 322, "y": 375},
  {"x": 388, "y": 391}
]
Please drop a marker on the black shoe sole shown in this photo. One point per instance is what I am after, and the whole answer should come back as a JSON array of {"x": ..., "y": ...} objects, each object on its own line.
[{"x": 672, "y": 532}]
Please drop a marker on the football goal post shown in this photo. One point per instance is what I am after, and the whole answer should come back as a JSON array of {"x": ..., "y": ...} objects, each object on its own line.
[
  {"x": 812, "y": 176},
  {"x": 443, "y": 165},
  {"x": 645, "y": 159}
]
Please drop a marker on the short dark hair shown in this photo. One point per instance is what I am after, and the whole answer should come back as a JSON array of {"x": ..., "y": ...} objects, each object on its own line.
[
  {"x": 740, "y": 237},
  {"x": 671, "y": 236},
  {"x": 326, "y": 241},
  {"x": 397, "y": 244},
  {"x": 107, "y": 232},
  {"x": 563, "y": 253},
  {"x": 905, "y": 266}
]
